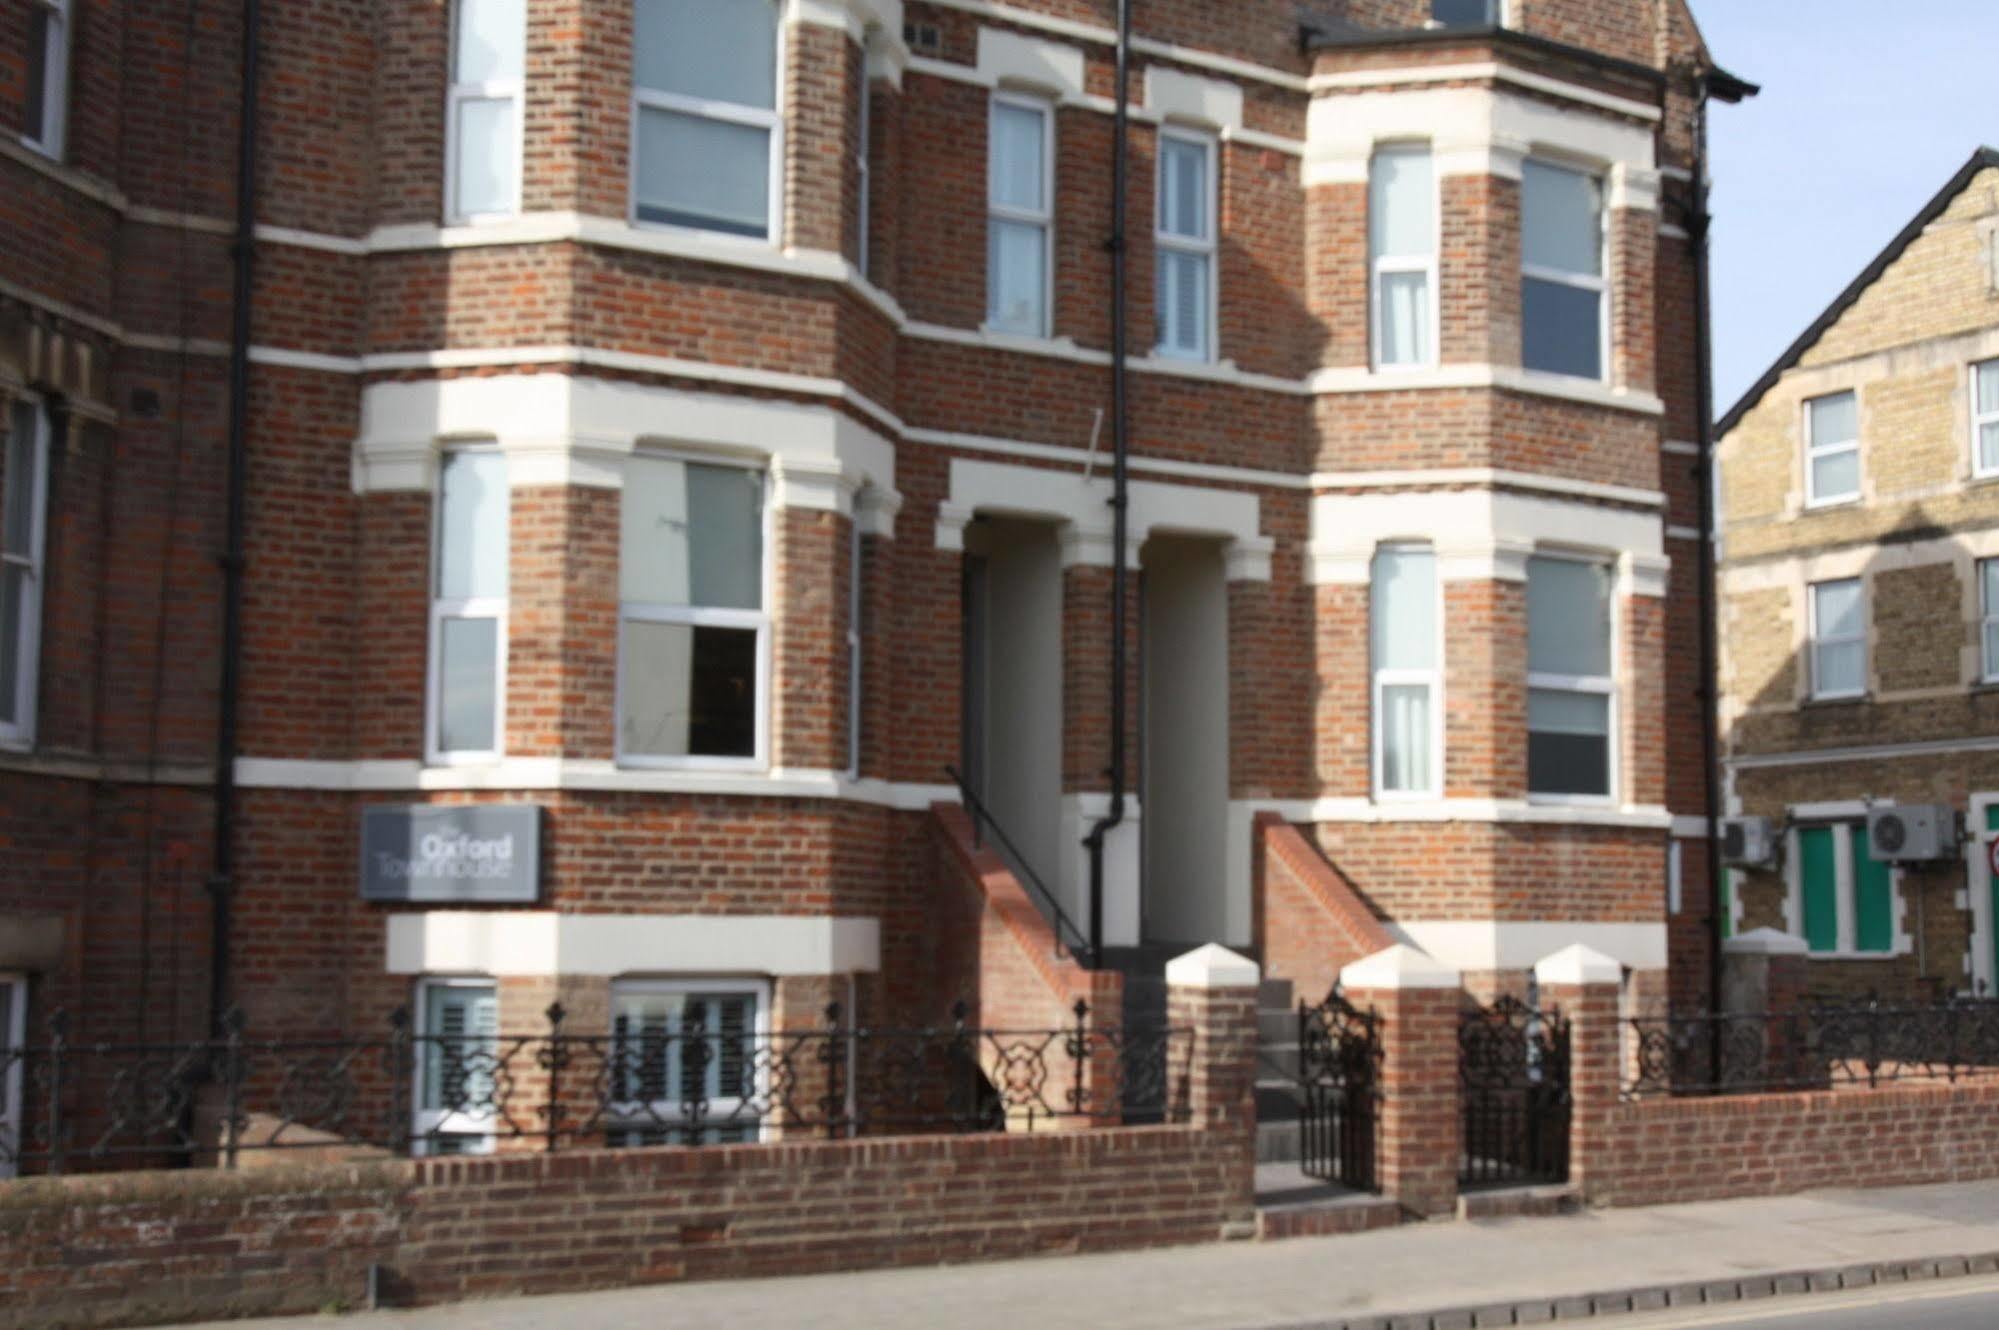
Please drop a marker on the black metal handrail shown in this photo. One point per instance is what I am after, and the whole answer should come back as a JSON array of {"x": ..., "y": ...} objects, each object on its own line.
[{"x": 1067, "y": 934}]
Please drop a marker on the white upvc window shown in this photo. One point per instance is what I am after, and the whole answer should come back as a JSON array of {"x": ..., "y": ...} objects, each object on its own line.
[
  {"x": 483, "y": 115},
  {"x": 1185, "y": 234},
  {"x": 458, "y": 1079},
  {"x": 1832, "y": 449},
  {"x": 1020, "y": 215},
  {"x": 1838, "y": 638},
  {"x": 1404, "y": 616},
  {"x": 1402, "y": 255},
  {"x": 686, "y": 1061},
  {"x": 1571, "y": 688},
  {"x": 13, "y": 1038},
  {"x": 1564, "y": 296},
  {"x": 1988, "y": 620},
  {"x": 854, "y": 602},
  {"x": 694, "y": 627},
  {"x": 1467, "y": 13},
  {"x": 45, "y": 102},
  {"x": 24, "y": 499},
  {"x": 707, "y": 131},
  {"x": 1985, "y": 418},
  {"x": 468, "y": 609},
  {"x": 863, "y": 171}
]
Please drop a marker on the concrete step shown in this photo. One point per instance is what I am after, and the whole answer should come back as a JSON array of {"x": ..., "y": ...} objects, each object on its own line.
[{"x": 1279, "y": 1142}]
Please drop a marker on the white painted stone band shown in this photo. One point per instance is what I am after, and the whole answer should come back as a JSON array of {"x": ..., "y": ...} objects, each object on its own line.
[
  {"x": 1483, "y": 944},
  {"x": 542, "y": 943}
]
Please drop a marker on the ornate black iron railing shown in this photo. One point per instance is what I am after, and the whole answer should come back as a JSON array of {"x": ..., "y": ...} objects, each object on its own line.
[
  {"x": 1815, "y": 1047},
  {"x": 1339, "y": 1078},
  {"x": 1513, "y": 1082},
  {"x": 205, "y": 1102},
  {"x": 1067, "y": 934}
]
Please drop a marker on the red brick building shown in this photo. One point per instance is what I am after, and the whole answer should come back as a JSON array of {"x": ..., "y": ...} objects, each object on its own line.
[{"x": 695, "y": 424}]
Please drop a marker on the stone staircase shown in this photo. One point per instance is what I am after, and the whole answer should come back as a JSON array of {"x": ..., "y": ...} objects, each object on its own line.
[{"x": 1278, "y": 1101}]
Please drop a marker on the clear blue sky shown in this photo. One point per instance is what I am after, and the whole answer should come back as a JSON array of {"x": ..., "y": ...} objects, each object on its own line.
[{"x": 1867, "y": 110}]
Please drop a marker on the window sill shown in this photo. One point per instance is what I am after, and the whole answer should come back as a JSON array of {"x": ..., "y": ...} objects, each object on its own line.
[
  {"x": 1830, "y": 505},
  {"x": 1834, "y": 700},
  {"x": 1854, "y": 955},
  {"x": 1570, "y": 800}
]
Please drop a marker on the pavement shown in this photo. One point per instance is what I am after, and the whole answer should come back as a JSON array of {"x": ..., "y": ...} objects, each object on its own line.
[{"x": 1706, "y": 1261}]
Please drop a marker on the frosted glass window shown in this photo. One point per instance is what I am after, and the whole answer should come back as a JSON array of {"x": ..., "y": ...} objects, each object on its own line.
[
  {"x": 705, "y": 88},
  {"x": 1018, "y": 217},
  {"x": 483, "y": 151},
  {"x": 1988, "y": 596},
  {"x": 1985, "y": 418},
  {"x": 45, "y": 95},
  {"x": 469, "y": 607},
  {"x": 1839, "y": 638},
  {"x": 1563, "y": 290},
  {"x": 1832, "y": 448},
  {"x": 1571, "y": 694},
  {"x": 693, "y": 624},
  {"x": 23, "y": 516},
  {"x": 1185, "y": 238},
  {"x": 1402, "y": 255},
  {"x": 1403, "y": 635}
]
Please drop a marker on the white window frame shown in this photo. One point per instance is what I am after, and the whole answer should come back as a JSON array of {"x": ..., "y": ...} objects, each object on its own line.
[
  {"x": 864, "y": 171},
  {"x": 458, "y": 93},
  {"x": 1384, "y": 265},
  {"x": 734, "y": 113},
  {"x": 1600, "y": 284},
  {"x": 476, "y": 1131},
  {"x": 14, "y": 1035},
  {"x": 760, "y": 1036},
  {"x": 1604, "y": 685},
  {"x": 494, "y": 608},
  {"x": 55, "y": 80},
  {"x": 1208, "y": 250},
  {"x": 1814, "y": 451},
  {"x": 1814, "y": 642},
  {"x": 1044, "y": 219},
  {"x": 1988, "y": 619},
  {"x": 705, "y": 617},
  {"x": 20, "y": 733},
  {"x": 1979, "y": 421},
  {"x": 1432, "y": 679},
  {"x": 854, "y": 599}
]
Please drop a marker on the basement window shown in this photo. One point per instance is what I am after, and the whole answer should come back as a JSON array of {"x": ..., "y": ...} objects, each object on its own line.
[
  {"x": 24, "y": 497},
  {"x": 685, "y": 1062},
  {"x": 1838, "y": 639},
  {"x": 1571, "y": 696},
  {"x": 1844, "y": 900},
  {"x": 693, "y": 650},
  {"x": 458, "y": 1080},
  {"x": 1563, "y": 298},
  {"x": 483, "y": 138},
  {"x": 705, "y": 123},
  {"x": 45, "y": 102},
  {"x": 468, "y": 617}
]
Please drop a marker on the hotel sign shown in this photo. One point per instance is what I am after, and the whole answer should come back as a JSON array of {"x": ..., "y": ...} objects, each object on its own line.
[{"x": 489, "y": 853}]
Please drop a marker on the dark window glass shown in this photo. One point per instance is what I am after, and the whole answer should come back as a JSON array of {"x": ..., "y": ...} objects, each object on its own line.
[
  {"x": 1465, "y": 13},
  {"x": 36, "y": 106},
  {"x": 1560, "y": 763},
  {"x": 1561, "y": 328}
]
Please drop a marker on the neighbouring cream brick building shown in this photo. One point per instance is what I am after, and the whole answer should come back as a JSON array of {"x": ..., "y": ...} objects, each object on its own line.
[{"x": 1859, "y": 608}]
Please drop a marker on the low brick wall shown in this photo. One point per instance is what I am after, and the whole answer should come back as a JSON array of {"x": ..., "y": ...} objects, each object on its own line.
[
  {"x": 1664, "y": 1150},
  {"x": 153, "y": 1247}
]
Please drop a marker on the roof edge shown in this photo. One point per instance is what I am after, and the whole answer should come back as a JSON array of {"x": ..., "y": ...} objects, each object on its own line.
[
  {"x": 1316, "y": 36},
  {"x": 1985, "y": 158}
]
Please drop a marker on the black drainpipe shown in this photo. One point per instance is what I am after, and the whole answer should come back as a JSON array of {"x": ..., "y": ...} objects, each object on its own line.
[
  {"x": 1120, "y": 443},
  {"x": 1697, "y": 227},
  {"x": 222, "y": 883}
]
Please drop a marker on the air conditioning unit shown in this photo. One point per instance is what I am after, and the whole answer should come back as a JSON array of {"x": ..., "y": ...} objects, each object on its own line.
[
  {"x": 1911, "y": 833},
  {"x": 1748, "y": 842}
]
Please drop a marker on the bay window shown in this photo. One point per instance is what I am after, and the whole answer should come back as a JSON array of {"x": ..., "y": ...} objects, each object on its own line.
[
  {"x": 483, "y": 118},
  {"x": 1838, "y": 639},
  {"x": 1832, "y": 449},
  {"x": 1185, "y": 241},
  {"x": 705, "y": 121},
  {"x": 23, "y": 516},
  {"x": 458, "y": 1081},
  {"x": 468, "y": 622},
  {"x": 1403, "y": 614},
  {"x": 1402, "y": 255},
  {"x": 1020, "y": 215},
  {"x": 1563, "y": 291},
  {"x": 692, "y": 644},
  {"x": 45, "y": 100},
  {"x": 685, "y": 1062},
  {"x": 1571, "y": 695}
]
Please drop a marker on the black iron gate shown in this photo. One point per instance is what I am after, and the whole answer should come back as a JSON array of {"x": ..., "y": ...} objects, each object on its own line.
[
  {"x": 1339, "y": 1058},
  {"x": 1513, "y": 1076}
]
